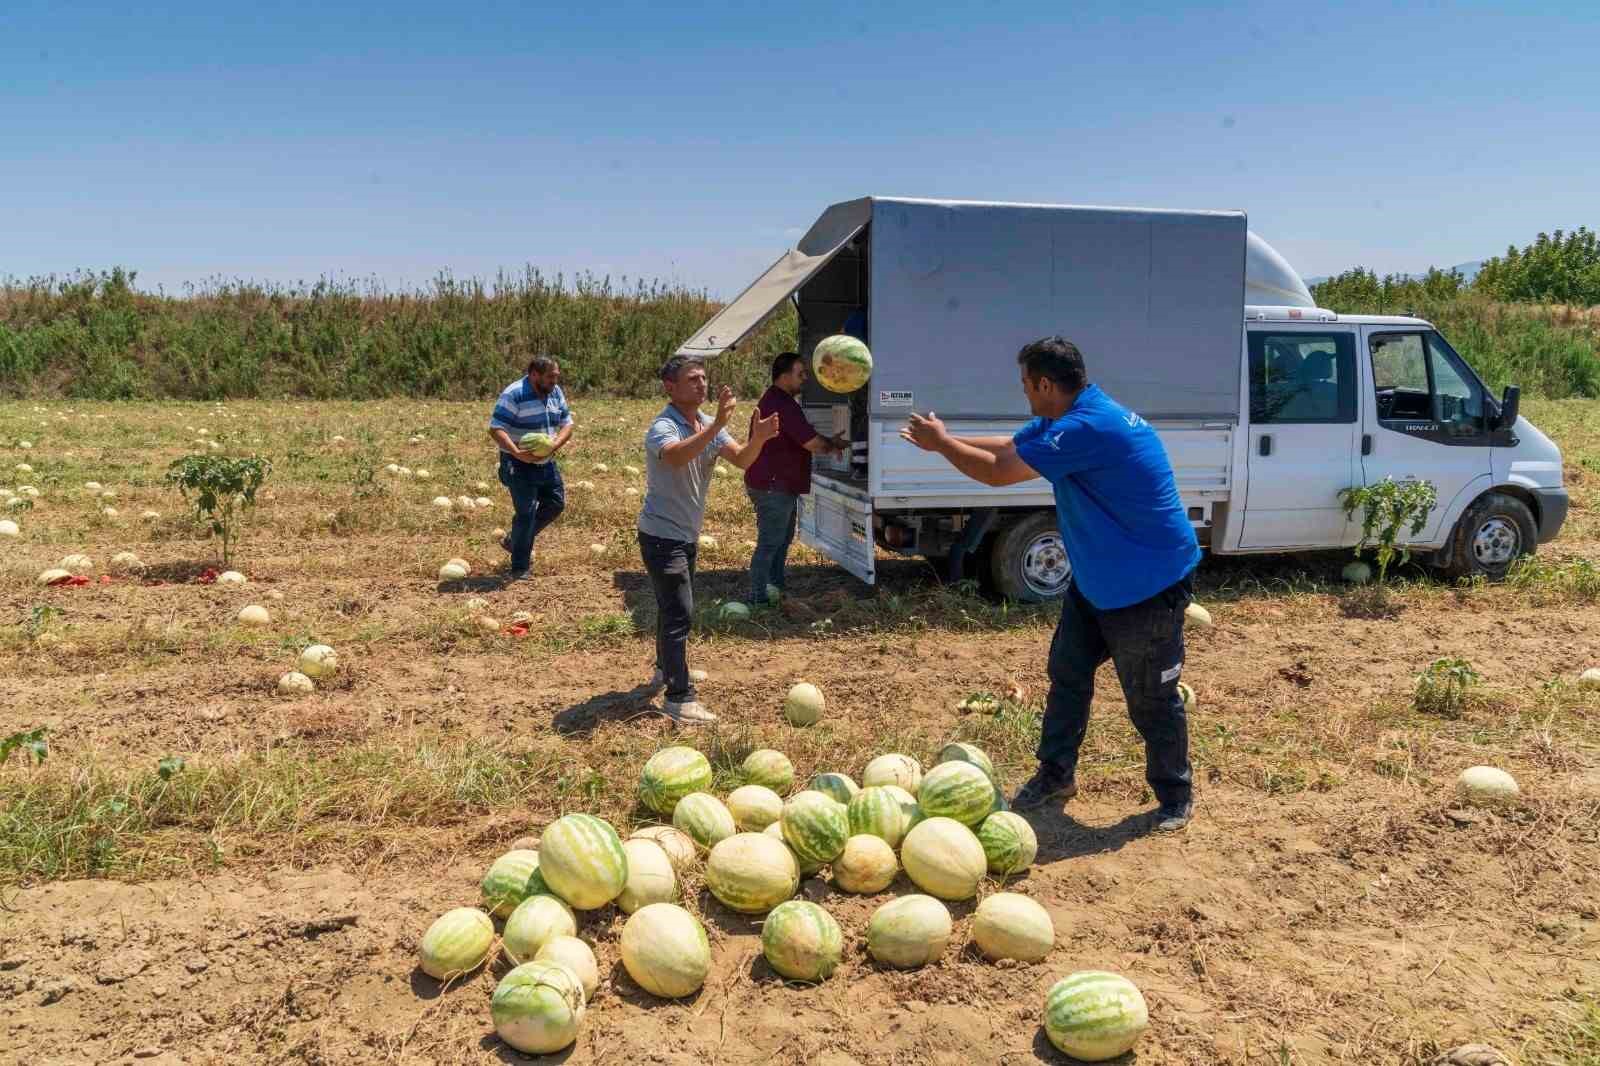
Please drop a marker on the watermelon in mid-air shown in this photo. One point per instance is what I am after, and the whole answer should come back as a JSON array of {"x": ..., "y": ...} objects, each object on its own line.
[{"x": 841, "y": 363}]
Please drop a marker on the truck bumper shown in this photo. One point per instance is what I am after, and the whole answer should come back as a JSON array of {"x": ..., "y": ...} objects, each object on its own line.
[{"x": 1553, "y": 505}]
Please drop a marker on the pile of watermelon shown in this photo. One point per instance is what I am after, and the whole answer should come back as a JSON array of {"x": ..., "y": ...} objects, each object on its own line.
[{"x": 947, "y": 828}]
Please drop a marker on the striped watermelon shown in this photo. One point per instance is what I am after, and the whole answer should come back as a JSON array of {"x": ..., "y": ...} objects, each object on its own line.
[
  {"x": 957, "y": 790},
  {"x": 1009, "y": 843},
  {"x": 894, "y": 769},
  {"x": 705, "y": 818},
  {"x": 815, "y": 826},
  {"x": 1010, "y": 926},
  {"x": 773, "y": 769},
  {"x": 456, "y": 943},
  {"x": 651, "y": 878},
  {"x": 801, "y": 941},
  {"x": 841, "y": 363},
  {"x": 538, "y": 1007},
  {"x": 866, "y": 865},
  {"x": 775, "y": 831},
  {"x": 536, "y": 921},
  {"x": 1094, "y": 1016},
  {"x": 665, "y": 950},
  {"x": 751, "y": 873},
  {"x": 754, "y": 807},
  {"x": 581, "y": 859},
  {"x": 839, "y": 787},
  {"x": 908, "y": 932},
  {"x": 943, "y": 857},
  {"x": 881, "y": 812},
  {"x": 506, "y": 883},
  {"x": 960, "y": 752},
  {"x": 671, "y": 774}
]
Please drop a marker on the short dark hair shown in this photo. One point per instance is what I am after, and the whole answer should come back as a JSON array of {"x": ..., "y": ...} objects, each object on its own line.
[
  {"x": 783, "y": 363},
  {"x": 541, "y": 364},
  {"x": 678, "y": 364},
  {"x": 1055, "y": 358}
]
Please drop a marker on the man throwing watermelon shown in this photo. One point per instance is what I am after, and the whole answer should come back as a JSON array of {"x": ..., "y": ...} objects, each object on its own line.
[
  {"x": 530, "y": 425},
  {"x": 1133, "y": 554}
]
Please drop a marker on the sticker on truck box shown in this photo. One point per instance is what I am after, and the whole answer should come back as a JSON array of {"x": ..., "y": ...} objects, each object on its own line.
[{"x": 894, "y": 398}]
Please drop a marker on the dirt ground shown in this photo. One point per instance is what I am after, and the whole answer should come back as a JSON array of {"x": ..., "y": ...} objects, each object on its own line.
[{"x": 1332, "y": 902}]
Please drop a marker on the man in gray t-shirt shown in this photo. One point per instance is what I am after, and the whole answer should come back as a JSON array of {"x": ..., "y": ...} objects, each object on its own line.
[{"x": 680, "y": 449}]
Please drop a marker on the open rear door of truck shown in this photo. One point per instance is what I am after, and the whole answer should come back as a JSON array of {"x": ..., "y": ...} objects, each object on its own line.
[
  {"x": 827, "y": 236},
  {"x": 836, "y": 520}
]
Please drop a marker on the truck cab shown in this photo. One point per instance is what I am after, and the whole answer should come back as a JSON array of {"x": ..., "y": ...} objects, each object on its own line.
[{"x": 1268, "y": 406}]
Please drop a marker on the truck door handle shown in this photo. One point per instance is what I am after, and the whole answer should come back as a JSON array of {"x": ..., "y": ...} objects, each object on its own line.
[
  {"x": 1366, "y": 444},
  {"x": 1265, "y": 447}
]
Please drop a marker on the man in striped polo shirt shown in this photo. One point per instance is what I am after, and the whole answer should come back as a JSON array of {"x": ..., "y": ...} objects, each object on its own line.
[{"x": 533, "y": 403}]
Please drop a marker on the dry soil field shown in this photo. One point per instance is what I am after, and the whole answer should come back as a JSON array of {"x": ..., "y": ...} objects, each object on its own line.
[{"x": 263, "y": 902}]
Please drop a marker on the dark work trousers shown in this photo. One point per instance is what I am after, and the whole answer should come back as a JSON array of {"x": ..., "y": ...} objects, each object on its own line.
[
  {"x": 538, "y": 497},
  {"x": 775, "y": 520},
  {"x": 1145, "y": 642},
  {"x": 671, "y": 567}
]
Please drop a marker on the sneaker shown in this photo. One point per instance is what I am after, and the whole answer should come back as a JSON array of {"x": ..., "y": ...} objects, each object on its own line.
[
  {"x": 658, "y": 680},
  {"x": 518, "y": 575},
  {"x": 690, "y": 712},
  {"x": 1171, "y": 817},
  {"x": 1046, "y": 786}
]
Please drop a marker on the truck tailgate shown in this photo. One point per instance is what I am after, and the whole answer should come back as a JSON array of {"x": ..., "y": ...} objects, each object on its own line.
[{"x": 836, "y": 520}]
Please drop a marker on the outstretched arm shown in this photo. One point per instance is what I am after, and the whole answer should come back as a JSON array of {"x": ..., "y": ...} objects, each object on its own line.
[{"x": 983, "y": 459}]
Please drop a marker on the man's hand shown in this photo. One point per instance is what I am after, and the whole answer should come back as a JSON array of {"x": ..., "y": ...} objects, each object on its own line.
[
  {"x": 525, "y": 456},
  {"x": 926, "y": 433},
  {"x": 725, "y": 405},
  {"x": 763, "y": 429}
]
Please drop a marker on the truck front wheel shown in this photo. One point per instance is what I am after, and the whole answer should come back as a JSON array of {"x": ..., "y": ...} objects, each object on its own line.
[
  {"x": 1490, "y": 535},
  {"x": 1028, "y": 560}
]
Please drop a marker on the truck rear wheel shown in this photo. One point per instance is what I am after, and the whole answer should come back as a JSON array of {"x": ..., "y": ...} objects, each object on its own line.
[
  {"x": 1028, "y": 561},
  {"x": 1491, "y": 534}
]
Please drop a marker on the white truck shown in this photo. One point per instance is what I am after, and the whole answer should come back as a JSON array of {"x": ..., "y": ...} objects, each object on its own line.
[{"x": 1268, "y": 405}]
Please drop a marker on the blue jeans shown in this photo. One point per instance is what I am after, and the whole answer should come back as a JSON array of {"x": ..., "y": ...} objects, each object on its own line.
[
  {"x": 775, "y": 521},
  {"x": 1145, "y": 641},
  {"x": 538, "y": 497}
]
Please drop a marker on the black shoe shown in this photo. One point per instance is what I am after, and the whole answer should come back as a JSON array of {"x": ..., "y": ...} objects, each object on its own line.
[
  {"x": 1045, "y": 787},
  {"x": 1171, "y": 817}
]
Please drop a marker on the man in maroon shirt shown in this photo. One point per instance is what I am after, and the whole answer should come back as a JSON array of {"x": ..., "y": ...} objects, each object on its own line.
[{"x": 781, "y": 474}]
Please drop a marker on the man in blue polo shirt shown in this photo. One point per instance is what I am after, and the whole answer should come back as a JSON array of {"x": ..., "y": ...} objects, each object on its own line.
[
  {"x": 1133, "y": 554},
  {"x": 531, "y": 404}
]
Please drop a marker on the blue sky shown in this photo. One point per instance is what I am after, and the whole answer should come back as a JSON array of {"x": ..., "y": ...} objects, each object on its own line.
[{"x": 693, "y": 142}]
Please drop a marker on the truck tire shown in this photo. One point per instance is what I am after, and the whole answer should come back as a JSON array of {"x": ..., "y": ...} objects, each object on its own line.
[
  {"x": 1028, "y": 561},
  {"x": 1491, "y": 534}
]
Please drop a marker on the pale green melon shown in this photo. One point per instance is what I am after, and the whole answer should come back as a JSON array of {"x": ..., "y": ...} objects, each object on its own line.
[
  {"x": 957, "y": 751},
  {"x": 705, "y": 818},
  {"x": 540, "y": 444},
  {"x": 841, "y": 363},
  {"x": 507, "y": 882},
  {"x": 881, "y": 811},
  {"x": 1094, "y": 1016},
  {"x": 866, "y": 865},
  {"x": 754, "y": 807},
  {"x": 803, "y": 705},
  {"x": 538, "y": 1007},
  {"x": 751, "y": 873},
  {"x": 581, "y": 859},
  {"x": 651, "y": 878},
  {"x": 1011, "y": 926},
  {"x": 535, "y": 921},
  {"x": 769, "y": 768},
  {"x": 894, "y": 769},
  {"x": 457, "y": 942},
  {"x": 839, "y": 787},
  {"x": 801, "y": 941},
  {"x": 665, "y": 950},
  {"x": 944, "y": 858},
  {"x": 909, "y": 932},
  {"x": 775, "y": 831}
]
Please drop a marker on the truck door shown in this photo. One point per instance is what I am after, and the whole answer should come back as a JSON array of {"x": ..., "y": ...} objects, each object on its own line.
[
  {"x": 1302, "y": 441},
  {"x": 1426, "y": 418}
]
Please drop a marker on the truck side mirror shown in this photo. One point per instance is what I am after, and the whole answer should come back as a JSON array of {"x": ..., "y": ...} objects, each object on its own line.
[{"x": 1510, "y": 401}]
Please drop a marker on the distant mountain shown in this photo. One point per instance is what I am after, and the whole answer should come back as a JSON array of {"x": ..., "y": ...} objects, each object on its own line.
[{"x": 1468, "y": 271}]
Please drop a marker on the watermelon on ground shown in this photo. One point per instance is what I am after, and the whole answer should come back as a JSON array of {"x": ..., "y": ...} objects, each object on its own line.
[
  {"x": 581, "y": 859},
  {"x": 1094, "y": 1016},
  {"x": 957, "y": 790},
  {"x": 671, "y": 774},
  {"x": 801, "y": 941},
  {"x": 815, "y": 826}
]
